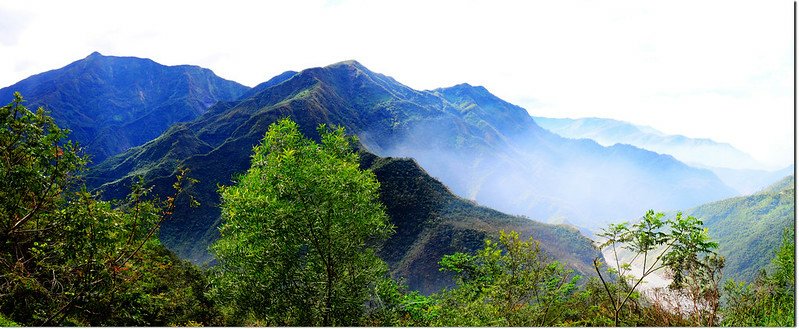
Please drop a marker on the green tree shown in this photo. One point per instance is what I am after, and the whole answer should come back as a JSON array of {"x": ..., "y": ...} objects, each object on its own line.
[
  {"x": 681, "y": 245},
  {"x": 299, "y": 232},
  {"x": 66, "y": 257},
  {"x": 509, "y": 283}
]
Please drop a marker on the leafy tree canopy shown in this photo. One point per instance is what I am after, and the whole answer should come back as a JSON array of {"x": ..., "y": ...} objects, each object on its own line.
[{"x": 299, "y": 232}]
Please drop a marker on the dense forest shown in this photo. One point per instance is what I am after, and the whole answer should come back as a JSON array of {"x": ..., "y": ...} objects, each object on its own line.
[{"x": 301, "y": 244}]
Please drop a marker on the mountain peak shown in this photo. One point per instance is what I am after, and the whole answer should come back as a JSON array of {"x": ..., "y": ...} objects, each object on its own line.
[
  {"x": 464, "y": 85},
  {"x": 104, "y": 60},
  {"x": 93, "y": 55},
  {"x": 113, "y": 103},
  {"x": 349, "y": 62},
  {"x": 467, "y": 88}
]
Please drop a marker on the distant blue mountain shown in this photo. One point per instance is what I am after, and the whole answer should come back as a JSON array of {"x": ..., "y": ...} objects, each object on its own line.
[
  {"x": 693, "y": 151},
  {"x": 734, "y": 167},
  {"x": 114, "y": 103},
  {"x": 748, "y": 181}
]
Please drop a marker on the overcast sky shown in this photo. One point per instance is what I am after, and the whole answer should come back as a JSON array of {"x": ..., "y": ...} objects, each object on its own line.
[{"x": 715, "y": 69}]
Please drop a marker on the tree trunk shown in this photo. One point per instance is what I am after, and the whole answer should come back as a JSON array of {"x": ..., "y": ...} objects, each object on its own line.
[{"x": 329, "y": 297}]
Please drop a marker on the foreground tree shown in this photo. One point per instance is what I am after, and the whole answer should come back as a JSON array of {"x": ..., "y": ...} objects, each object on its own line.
[
  {"x": 679, "y": 245},
  {"x": 67, "y": 258},
  {"x": 299, "y": 231}
]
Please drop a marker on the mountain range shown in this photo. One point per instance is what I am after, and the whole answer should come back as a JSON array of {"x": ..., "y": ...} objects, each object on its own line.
[
  {"x": 748, "y": 181},
  {"x": 442, "y": 156},
  {"x": 734, "y": 167},
  {"x": 111, "y": 104},
  {"x": 693, "y": 151},
  {"x": 480, "y": 146}
]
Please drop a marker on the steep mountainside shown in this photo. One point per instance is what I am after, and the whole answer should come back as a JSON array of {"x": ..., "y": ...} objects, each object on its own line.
[
  {"x": 749, "y": 229},
  {"x": 693, "y": 151},
  {"x": 480, "y": 146},
  {"x": 431, "y": 222},
  {"x": 114, "y": 103}
]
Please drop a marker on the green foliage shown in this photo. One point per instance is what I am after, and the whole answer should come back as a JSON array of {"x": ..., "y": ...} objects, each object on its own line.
[
  {"x": 392, "y": 304},
  {"x": 5, "y": 322},
  {"x": 681, "y": 245},
  {"x": 770, "y": 299},
  {"x": 509, "y": 283},
  {"x": 784, "y": 275},
  {"x": 36, "y": 167},
  {"x": 298, "y": 233},
  {"x": 69, "y": 259}
]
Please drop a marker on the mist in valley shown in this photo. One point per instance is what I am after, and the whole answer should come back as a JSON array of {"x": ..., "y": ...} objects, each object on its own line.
[{"x": 545, "y": 177}]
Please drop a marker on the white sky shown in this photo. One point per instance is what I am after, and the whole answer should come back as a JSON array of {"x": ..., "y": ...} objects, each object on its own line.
[{"x": 716, "y": 69}]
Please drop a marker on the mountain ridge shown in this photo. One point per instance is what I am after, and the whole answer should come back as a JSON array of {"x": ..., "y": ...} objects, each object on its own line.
[
  {"x": 517, "y": 168},
  {"x": 610, "y": 131},
  {"x": 112, "y": 103},
  {"x": 734, "y": 167}
]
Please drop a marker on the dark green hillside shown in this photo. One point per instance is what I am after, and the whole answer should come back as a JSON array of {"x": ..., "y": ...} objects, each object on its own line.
[
  {"x": 114, "y": 103},
  {"x": 432, "y": 222},
  {"x": 749, "y": 228}
]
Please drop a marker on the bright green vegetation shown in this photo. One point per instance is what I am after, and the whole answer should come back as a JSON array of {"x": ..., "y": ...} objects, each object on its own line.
[
  {"x": 299, "y": 233},
  {"x": 70, "y": 259},
  {"x": 4, "y": 322},
  {"x": 749, "y": 227},
  {"x": 510, "y": 283}
]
